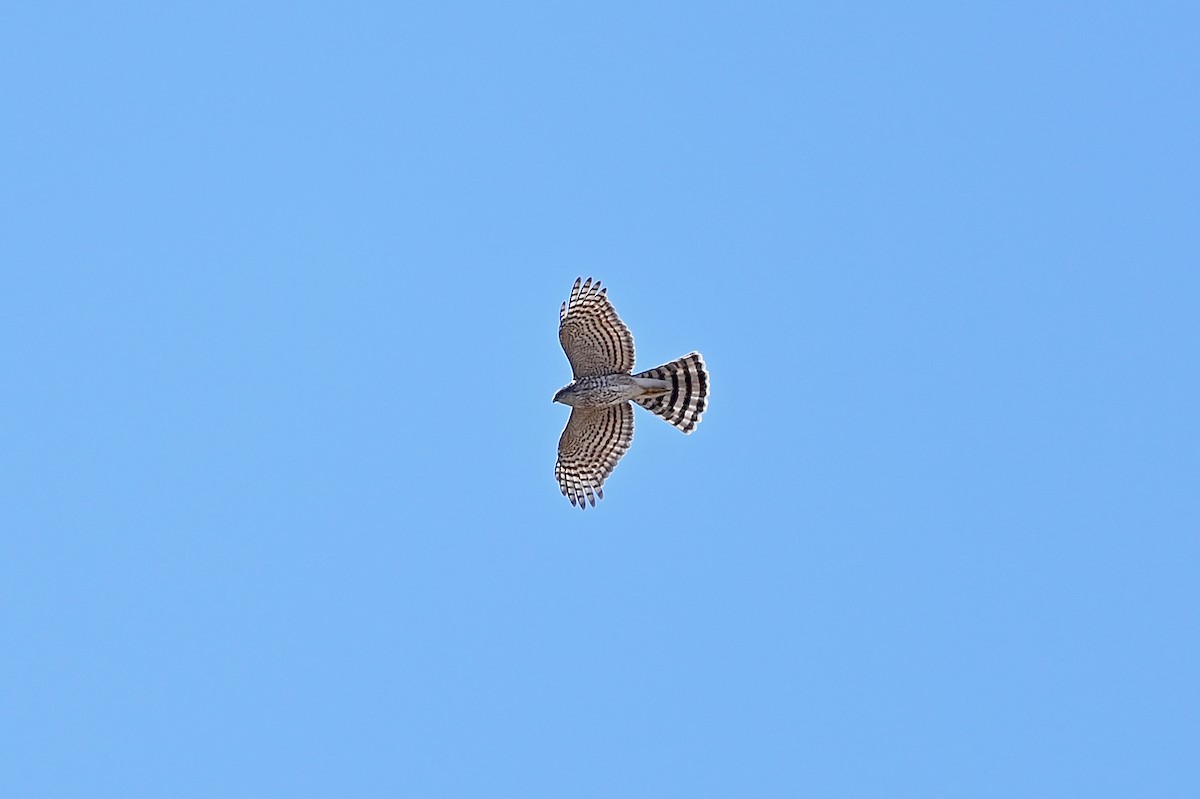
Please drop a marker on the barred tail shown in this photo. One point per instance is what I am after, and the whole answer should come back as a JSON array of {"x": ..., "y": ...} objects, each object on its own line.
[{"x": 686, "y": 395}]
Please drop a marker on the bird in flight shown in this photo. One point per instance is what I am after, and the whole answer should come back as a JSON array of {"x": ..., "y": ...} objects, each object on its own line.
[{"x": 600, "y": 349}]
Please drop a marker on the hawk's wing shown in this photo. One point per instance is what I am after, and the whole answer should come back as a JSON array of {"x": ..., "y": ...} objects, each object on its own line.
[
  {"x": 594, "y": 338},
  {"x": 591, "y": 444}
]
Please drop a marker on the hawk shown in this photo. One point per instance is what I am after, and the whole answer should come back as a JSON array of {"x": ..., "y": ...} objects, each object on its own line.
[{"x": 600, "y": 349}]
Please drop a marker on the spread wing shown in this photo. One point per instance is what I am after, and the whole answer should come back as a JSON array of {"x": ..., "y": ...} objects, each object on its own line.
[
  {"x": 591, "y": 444},
  {"x": 594, "y": 338}
]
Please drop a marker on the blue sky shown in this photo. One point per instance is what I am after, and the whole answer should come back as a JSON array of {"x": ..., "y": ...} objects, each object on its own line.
[{"x": 279, "y": 298}]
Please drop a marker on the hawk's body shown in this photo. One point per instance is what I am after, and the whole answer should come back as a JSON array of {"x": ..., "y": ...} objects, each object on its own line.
[
  {"x": 600, "y": 349},
  {"x": 601, "y": 390}
]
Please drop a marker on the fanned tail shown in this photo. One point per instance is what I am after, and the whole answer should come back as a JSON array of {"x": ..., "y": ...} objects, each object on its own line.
[{"x": 686, "y": 394}]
